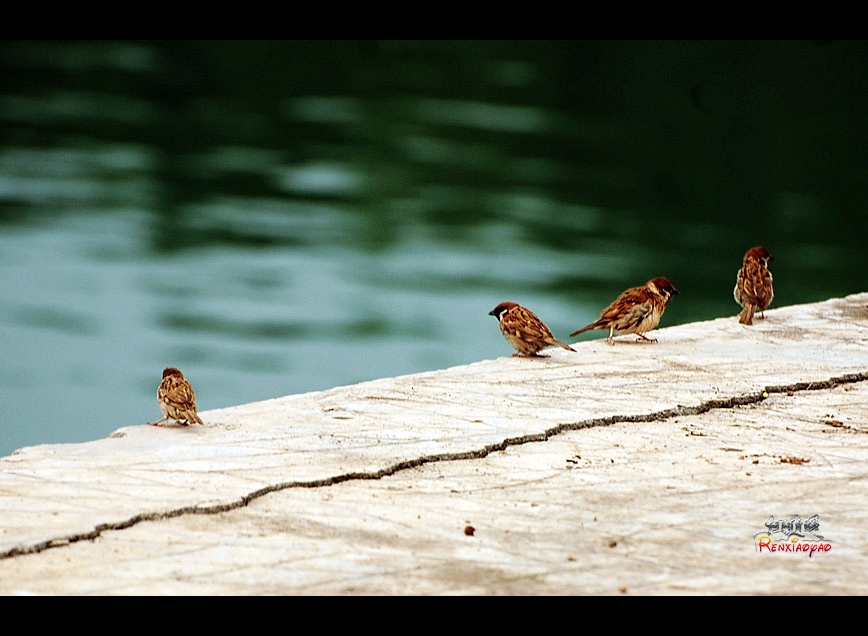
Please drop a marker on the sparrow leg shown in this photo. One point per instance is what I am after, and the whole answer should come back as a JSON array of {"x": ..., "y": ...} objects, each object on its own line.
[
  {"x": 158, "y": 422},
  {"x": 611, "y": 338},
  {"x": 642, "y": 337}
]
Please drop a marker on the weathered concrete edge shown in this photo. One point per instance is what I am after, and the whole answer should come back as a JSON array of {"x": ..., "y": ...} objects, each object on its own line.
[{"x": 678, "y": 411}]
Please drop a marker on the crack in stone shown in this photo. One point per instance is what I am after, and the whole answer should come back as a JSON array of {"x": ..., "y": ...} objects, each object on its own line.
[{"x": 658, "y": 416}]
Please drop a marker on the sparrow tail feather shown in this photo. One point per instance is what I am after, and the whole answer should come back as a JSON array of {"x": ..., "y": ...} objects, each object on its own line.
[
  {"x": 563, "y": 345},
  {"x": 583, "y": 329}
]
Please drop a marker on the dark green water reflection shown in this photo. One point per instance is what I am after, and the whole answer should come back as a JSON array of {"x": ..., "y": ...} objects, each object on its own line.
[{"x": 279, "y": 217}]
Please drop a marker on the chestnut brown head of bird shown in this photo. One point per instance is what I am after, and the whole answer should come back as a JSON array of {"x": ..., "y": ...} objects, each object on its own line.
[
  {"x": 664, "y": 287},
  {"x": 759, "y": 253},
  {"x": 501, "y": 309},
  {"x": 172, "y": 371}
]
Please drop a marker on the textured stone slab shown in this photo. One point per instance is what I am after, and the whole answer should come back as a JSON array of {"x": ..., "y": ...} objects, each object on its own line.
[{"x": 637, "y": 468}]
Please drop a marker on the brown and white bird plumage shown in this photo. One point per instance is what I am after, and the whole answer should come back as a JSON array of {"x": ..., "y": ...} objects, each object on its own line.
[
  {"x": 527, "y": 334},
  {"x": 177, "y": 399},
  {"x": 637, "y": 310},
  {"x": 753, "y": 285}
]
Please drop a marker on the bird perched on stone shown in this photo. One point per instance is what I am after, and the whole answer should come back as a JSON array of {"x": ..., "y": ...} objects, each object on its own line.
[
  {"x": 177, "y": 399},
  {"x": 753, "y": 285},
  {"x": 527, "y": 334},
  {"x": 637, "y": 310}
]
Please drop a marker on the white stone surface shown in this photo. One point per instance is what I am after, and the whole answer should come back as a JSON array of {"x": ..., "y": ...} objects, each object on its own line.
[{"x": 633, "y": 469}]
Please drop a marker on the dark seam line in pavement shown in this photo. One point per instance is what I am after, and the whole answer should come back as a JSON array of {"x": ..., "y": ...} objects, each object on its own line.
[{"x": 678, "y": 411}]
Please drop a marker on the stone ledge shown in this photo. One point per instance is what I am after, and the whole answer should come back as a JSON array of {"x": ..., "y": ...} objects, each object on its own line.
[{"x": 571, "y": 469}]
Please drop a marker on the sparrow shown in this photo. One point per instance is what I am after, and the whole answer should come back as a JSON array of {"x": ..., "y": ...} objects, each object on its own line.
[
  {"x": 753, "y": 286},
  {"x": 177, "y": 399},
  {"x": 637, "y": 310},
  {"x": 524, "y": 330}
]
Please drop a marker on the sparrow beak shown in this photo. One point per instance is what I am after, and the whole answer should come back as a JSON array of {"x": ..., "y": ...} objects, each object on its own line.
[
  {"x": 675, "y": 291},
  {"x": 491, "y": 313}
]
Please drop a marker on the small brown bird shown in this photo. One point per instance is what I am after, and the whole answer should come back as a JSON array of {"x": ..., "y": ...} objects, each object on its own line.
[
  {"x": 523, "y": 330},
  {"x": 637, "y": 310},
  {"x": 753, "y": 285},
  {"x": 177, "y": 399}
]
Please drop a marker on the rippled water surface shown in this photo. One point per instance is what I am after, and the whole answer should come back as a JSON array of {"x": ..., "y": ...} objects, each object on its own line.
[{"x": 281, "y": 217}]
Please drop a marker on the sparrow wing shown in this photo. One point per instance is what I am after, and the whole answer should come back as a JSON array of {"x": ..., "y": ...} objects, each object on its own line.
[
  {"x": 526, "y": 324},
  {"x": 631, "y": 302},
  {"x": 181, "y": 394},
  {"x": 614, "y": 311},
  {"x": 756, "y": 283},
  {"x": 635, "y": 316}
]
